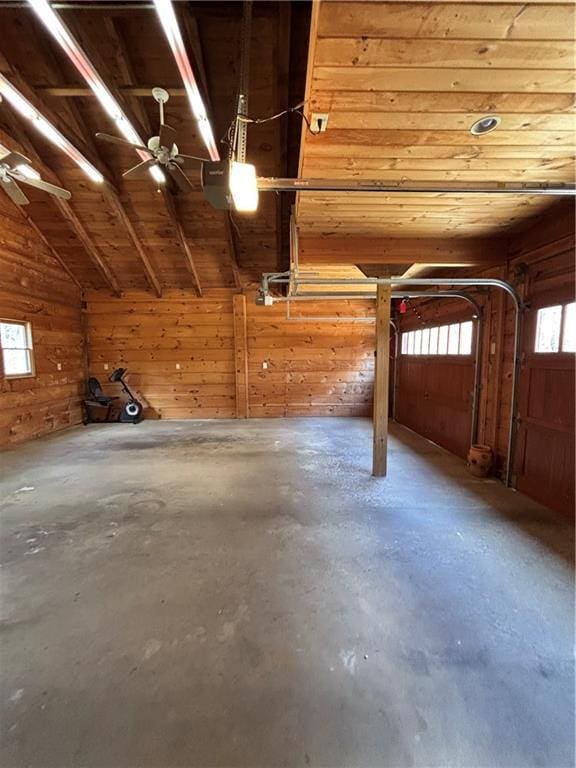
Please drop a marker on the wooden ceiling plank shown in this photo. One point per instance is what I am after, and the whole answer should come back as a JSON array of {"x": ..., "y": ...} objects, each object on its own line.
[
  {"x": 437, "y": 79},
  {"x": 466, "y": 54},
  {"x": 442, "y": 101},
  {"x": 460, "y": 20}
]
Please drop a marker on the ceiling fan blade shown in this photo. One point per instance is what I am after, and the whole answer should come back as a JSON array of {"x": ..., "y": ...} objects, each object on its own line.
[
  {"x": 13, "y": 159},
  {"x": 193, "y": 157},
  {"x": 52, "y": 189},
  {"x": 138, "y": 170},
  {"x": 182, "y": 181},
  {"x": 14, "y": 192},
  {"x": 122, "y": 142},
  {"x": 166, "y": 136}
]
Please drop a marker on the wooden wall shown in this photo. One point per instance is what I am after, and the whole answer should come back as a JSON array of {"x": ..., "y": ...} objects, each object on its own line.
[
  {"x": 178, "y": 350},
  {"x": 295, "y": 367},
  {"x": 35, "y": 287},
  {"x": 314, "y": 367}
]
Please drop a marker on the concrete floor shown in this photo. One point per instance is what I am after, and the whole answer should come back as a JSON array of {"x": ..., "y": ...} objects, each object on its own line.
[{"x": 245, "y": 594}]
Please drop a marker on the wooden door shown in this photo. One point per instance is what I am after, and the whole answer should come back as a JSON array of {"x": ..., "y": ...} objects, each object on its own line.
[
  {"x": 544, "y": 453},
  {"x": 435, "y": 399}
]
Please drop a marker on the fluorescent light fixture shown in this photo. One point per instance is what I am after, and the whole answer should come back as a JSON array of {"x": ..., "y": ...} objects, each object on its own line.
[
  {"x": 243, "y": 186},
  {"x": 171, "y": 29},
  {"x": 99, "y": 88},
  {"x": 23, "y": 107}
]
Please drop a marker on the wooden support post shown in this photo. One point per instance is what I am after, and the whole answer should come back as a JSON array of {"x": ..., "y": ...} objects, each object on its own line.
[
  {"x": 241, "y": 356},
  {"x": 381, "y": 382}
]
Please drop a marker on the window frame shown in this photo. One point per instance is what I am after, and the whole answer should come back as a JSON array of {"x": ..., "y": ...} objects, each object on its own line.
[
  {"x": 29, "y": 348},
  {"x": 562, "y": 303}
]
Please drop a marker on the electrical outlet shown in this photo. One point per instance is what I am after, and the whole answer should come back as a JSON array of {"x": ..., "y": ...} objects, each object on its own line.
[
  {"x": 264, "y": 364},
  {"x": 106, "y": 366},
  {"x": 318, "y": 122},
  {"x": 58, "y": 366},
  {"x": 177, "y": 366}
]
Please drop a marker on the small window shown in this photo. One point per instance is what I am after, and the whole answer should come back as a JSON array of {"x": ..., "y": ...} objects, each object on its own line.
[
  {"x": 548, "y": 325},
  {"x": 453, "y": 334},
  {"x": 466, "y": 338},
  {"x": 16, "y": 344},
  {"x": 569, "y": 328},
  {"x": 425, "y": 341},
  {"x": 411, "y": 343},
  {"x": 443, "y": 340},
  {"x": 404, "y": 348},
  {"x": 433, "y": 349},
  {"x": 417, "y": 342}
]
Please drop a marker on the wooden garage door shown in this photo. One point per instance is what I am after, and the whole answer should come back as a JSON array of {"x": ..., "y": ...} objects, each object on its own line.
[
  {"x": 545, "y": 447},
  {"x": 434, "y": 397}
]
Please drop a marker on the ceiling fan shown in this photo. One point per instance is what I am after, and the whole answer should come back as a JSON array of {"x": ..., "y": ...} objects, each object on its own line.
[
  {"x": 15, "y": 169},
  {"x": 162, "y": 149}
]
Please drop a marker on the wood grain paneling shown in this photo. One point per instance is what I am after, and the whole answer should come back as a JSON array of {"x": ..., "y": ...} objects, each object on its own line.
[
  {"x": 403, "y": 82},
  {"x": 35, "y": 288},
  {"x": 294, "y": 367}
]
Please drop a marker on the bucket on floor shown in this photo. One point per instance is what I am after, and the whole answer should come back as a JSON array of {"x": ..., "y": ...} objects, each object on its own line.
[{"x": 480, "y": 460}]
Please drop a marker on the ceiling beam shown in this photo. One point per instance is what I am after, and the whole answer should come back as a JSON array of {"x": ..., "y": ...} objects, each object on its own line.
[
  {"x": 25, "y": 145},
  {"x": 73, "y": 91},
  {"x": 334, "y": 249},
  {"x": 83, "y": 140}
]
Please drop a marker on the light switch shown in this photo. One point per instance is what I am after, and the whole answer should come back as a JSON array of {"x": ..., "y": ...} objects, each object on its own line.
[
  {"x": 264, "y": 364},
  {"x": 177, "y": 366},
  {"x": 58, "y": 366},
  {"x": 105, "y": 366}
]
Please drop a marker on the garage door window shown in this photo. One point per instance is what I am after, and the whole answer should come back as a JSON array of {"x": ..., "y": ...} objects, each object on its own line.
[
  {"x": 453, "y": 339},
  {"x": 556, "y": 329},
  {"x": 16, "y": 344}
]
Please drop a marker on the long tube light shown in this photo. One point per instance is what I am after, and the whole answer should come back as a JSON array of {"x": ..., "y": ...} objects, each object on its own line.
[
  {"x": 71, "y": 47},
  {"x": 171, "y": 29},
  {"x": 43, "y": 126}
]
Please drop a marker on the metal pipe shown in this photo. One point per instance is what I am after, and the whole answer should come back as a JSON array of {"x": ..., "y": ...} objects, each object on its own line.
[
  {"x": 283, "y": 277},
  {"x": 266, "y": 184},
  {"x": 395, "y": 377}
]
